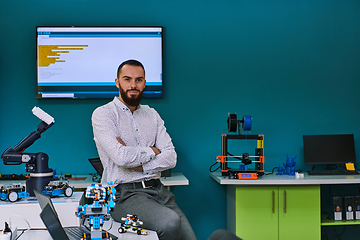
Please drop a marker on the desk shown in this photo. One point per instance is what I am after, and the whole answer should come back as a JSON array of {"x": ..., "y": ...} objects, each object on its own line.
[
  {"x": 278, "y": 206},
  {"x": 8, "y": 209},
  {"x": 29, "y": 209},
  {"x": 44, "y": 235},
  {"x": 176, "y": 179}
]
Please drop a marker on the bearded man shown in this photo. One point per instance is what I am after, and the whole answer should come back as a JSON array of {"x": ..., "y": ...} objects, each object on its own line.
[{"x": 134, "y": 148}]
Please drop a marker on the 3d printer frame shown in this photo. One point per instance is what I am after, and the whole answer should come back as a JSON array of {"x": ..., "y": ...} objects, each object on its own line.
[
  {"x": 259, "y": 157},
  {"x": 242, "y": 174}
]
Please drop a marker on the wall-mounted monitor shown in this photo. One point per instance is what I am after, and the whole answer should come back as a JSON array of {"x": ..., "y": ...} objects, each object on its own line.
[{"x": 82, "y": 62}]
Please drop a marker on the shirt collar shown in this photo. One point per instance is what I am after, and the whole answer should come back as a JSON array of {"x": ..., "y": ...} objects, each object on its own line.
[{"x": 122, "y": 106}]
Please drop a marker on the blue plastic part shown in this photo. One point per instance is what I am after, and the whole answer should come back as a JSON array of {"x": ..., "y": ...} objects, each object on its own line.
[
  {"x": 243, "y": 167},
  {"x": 247, "y": 123},
  {"x": 20, "y": 195},
  {"x": 23, "y": 194},
  {"x": 280, "y": 170},
  {"x": 96, "y": 223},
  {"x": 289, "y": 167},
  {"x": 99, "y": 210}
]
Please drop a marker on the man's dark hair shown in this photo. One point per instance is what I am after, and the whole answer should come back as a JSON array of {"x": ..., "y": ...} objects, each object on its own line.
[{"x": 130, "y": 62}]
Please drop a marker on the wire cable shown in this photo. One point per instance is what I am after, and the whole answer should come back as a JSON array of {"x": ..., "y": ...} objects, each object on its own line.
[
  {"x": 23, "y": 231},
  {"x": 212, "y": 166}
]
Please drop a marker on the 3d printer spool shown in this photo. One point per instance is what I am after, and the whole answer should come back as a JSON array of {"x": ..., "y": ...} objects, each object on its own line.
[
  {"x": 247, "y": 123},
  {"x": 232, "y": 122}
]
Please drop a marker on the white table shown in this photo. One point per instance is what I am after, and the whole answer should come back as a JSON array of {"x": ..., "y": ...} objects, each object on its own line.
[
  {"x": 176, "y": 179},
  {"x": 44, "y": 235},
  {"x": 83, "y": 181},
  {"x": 66, "y": 215},
  {"x": 29, "y": 209},
  {"x": 66, "y": 212}
]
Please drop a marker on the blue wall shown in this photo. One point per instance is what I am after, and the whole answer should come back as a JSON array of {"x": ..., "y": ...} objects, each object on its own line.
[{"x": 293, "y": 65}]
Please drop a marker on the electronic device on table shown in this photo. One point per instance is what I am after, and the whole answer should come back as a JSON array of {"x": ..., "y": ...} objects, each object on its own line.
[
  {"x": 97, "y": 165},
  {"x": 35, "y": 163},
  {"x": 241, "y": 171},
  {"x": 51, "y": 220},
  {"x": 81, "y": 62},
  {"x": 328, "y": 152}
]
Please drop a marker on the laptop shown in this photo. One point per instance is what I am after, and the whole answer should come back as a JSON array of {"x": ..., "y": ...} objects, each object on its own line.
[
  {"x": 96, "y": 163},
  {"x": 51, "y": 220},
  {"x": 44, "y": 200}
]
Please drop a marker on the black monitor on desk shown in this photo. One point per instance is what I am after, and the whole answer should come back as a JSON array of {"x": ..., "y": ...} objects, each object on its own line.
[{"x": 329, "y": 150}]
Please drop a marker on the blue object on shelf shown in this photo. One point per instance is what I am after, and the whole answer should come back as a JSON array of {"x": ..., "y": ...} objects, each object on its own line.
[{"x": 289, "y": 167}]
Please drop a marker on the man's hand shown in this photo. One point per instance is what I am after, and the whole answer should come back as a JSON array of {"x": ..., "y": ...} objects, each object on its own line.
[
  {"x": 120, "y": 141},
  {"x": 156, "y": 151},
  {"x": 138, "y": 168}
]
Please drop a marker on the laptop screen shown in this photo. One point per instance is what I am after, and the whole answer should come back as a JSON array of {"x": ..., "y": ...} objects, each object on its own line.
[
  {"x": 52, "y": 223},
  {"x": 96, "y": 163},
  {"x": 44, "y": 200}
]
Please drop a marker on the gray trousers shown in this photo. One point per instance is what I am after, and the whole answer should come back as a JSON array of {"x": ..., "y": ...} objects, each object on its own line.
[{"x": 155, "y": 207}]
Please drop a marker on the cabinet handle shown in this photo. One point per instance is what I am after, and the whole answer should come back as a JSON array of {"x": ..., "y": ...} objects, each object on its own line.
[
  {"x": 284, "y": 201},
  {"x": 273, "y": 201}
]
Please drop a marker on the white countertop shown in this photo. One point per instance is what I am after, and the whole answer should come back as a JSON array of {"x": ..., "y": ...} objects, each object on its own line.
[
  {"x": 273, "y": 179},
  {"x": 176, "y": 179},
  {"x": 43, "y": 234}
]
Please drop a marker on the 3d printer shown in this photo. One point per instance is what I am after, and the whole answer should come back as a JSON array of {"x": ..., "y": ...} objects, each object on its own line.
[
  {"x": 258, "y": 159},
  {"x": 36, "y": 163}
]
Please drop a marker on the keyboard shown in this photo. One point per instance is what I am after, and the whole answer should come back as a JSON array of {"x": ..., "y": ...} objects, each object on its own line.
[{"x": 333, "y": 172}]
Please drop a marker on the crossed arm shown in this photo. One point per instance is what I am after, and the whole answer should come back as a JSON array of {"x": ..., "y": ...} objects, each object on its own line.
[{"x": 138, "y": 168}]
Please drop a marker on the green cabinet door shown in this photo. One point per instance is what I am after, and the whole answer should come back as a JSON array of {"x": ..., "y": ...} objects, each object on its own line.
[
  {"x": 278, "y": 212},
  {"x": 257, "y": 213},
  {"x": 299, "y": 212}
]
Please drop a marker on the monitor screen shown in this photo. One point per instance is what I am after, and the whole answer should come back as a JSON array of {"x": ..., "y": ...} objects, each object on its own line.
[
  {"x": 82, "y": 62},
  {"x": 329, "y": 149}
]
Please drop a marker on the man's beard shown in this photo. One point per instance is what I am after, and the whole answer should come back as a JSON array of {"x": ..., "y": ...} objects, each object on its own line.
[{"x": 132, "y": 101}]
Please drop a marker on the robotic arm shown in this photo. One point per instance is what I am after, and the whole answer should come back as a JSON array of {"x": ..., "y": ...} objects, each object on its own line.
[{"x": 36, "y": 163}]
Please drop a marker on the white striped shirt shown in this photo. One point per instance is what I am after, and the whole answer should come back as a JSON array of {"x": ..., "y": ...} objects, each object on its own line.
[{"x": 139, "y": 131}]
